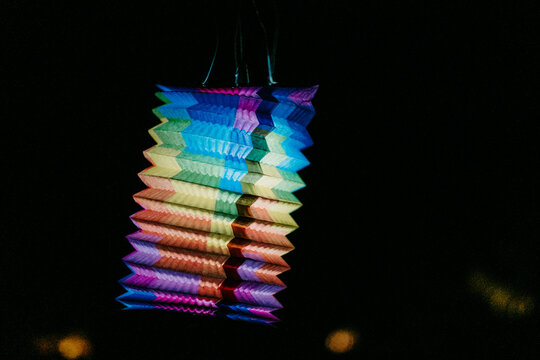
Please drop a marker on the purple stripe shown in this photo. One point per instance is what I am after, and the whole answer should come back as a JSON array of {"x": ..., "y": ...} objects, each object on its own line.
[
  {"x": 163, "y": 279},
  {"x": 303, "y": 95},
  {"x": 246, "y": 119},
  {"x": 145, "y": 253},
  {"x": 248, "y": 268},
  {"x": 258, "y": 293},
  {"x": 140, "y": 235}
]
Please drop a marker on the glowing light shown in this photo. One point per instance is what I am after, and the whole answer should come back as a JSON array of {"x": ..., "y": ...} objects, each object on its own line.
[
  {"x": 501, "y": 298},
  {"x": 479, "y": 282},
  {"x": 74, "y": 346},
  {"x": 341, "y": 340},
  {"x": 520, "y": 306},
  {"x": 216, "y": 212}
]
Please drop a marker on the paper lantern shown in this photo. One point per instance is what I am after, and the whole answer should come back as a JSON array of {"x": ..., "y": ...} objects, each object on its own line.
[{"x": 218, "y": 203}]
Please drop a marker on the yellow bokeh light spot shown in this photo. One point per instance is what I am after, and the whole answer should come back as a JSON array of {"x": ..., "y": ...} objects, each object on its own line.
[
  {"x": 525, "y": 305},
  {"x": 74, "y": 346},
  {"x": 514, "y": 307},
  {"x": 479, "y": 282},
  {"x": 341, "y": 340},
  {"x": 499, "y": 298}
]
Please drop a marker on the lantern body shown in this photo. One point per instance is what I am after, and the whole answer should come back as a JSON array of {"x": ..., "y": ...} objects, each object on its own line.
[{"x": 218, "y": 203}]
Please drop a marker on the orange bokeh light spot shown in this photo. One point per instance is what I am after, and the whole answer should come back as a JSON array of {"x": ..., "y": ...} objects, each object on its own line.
[
  {"x": 341, "y": 340},
  {"x": 74, "y": 346}
]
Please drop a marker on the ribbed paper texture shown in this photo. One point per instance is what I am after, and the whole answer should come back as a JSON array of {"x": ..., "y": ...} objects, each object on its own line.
[{"x": 216, "y": 213}]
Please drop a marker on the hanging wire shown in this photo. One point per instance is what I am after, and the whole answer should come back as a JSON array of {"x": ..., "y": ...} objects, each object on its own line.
[
  {"x": 241, "y": 66},
  {"x": 247, "y": 74},
  {"x": 268, "y": 57},
  {"x": 276, "y": 36},
  {"x": 235, "y": 45},
  {"x": 213, "y": 60},
  {"x": 243, "y": 62},
  {"x": 239, "y": 60}
]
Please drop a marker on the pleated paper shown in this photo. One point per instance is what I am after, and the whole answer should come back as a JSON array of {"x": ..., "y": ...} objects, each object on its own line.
[{"x": 218, "y": 203}]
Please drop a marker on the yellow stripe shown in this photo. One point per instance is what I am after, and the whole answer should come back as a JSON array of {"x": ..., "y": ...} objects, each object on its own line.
[
  {"x": 153, "y": 133},
  {"x": 160, "y": 172},
  {"x": 217, "y": 244},
  {"x": 194, "y": 194},
  {"x": 222, "y": 224},
  {"x": 164, "y": 157},
  {"x": 282, "y": 218},
  {"x": 270, "y": 170},
  {"x": 267, "y": 181}
]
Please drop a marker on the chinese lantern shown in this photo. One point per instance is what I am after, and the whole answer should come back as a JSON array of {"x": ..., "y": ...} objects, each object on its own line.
[{"x": 218, "y": 203}]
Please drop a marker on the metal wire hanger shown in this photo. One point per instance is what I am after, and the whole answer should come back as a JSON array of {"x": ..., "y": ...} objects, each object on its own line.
[{"x": 240, "y": 64}]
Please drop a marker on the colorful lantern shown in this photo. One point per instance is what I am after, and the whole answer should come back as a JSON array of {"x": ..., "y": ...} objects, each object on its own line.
[{"x": 217, "y": 210}]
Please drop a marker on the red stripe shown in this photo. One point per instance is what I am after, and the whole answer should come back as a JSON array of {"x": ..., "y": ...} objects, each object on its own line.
[
  {"x": 236, "y": 259},
  {"x": 231, "y": 267},
  {"x": 227, "y": 289},
  {"x": 239, "y": 227}
]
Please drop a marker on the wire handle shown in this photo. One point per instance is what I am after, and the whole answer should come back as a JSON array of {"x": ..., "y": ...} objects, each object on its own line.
[
  {"x": 240, "y": 67},
  {"x": 203, "y": 84},
  {"x": 239, "y": 61},
  {"x": 270, "y": 61}
]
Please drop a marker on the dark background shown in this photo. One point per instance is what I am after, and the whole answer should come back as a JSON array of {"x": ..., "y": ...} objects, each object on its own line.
[{"x": 425, "y": 170}]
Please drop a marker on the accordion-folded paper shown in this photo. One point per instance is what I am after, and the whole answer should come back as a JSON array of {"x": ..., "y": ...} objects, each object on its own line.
[{"x": 216, "y": 212}]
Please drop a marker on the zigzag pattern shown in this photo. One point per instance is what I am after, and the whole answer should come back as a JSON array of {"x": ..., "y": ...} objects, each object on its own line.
[{"x": 218, "y": 203}]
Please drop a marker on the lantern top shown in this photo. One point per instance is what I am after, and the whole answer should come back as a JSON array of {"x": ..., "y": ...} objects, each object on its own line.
[{"x": 299, "y": 96}]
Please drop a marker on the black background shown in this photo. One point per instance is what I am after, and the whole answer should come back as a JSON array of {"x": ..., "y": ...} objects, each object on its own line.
[{"x": 425, "y": 169}]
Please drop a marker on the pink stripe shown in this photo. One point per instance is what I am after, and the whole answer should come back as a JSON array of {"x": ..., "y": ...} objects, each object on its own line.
[
  {"x": 243, "y": 91},
  {"x": 263, "y": 313}
]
